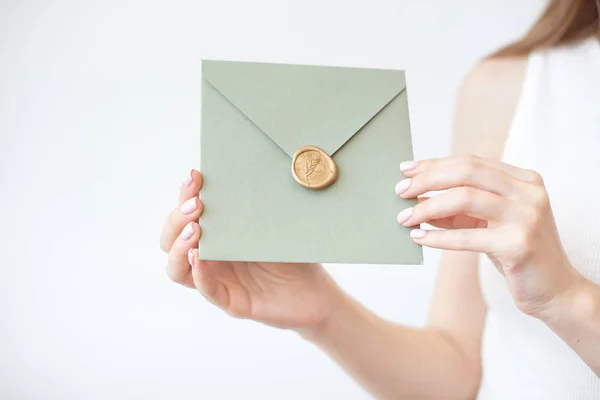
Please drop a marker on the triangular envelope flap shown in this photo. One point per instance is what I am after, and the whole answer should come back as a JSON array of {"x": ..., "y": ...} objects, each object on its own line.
[{"x": 300, "y": 105}]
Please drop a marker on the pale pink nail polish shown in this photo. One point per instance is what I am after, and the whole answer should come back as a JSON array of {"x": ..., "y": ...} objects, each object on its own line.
[
  {"x": 188, "y": 179},
  {"x": 405, "y": 215},
  {"x": 402, "y": 186},
  {"x": 187, "y": 232},
  {"x": 408, "y": 165},
  {"x": 189, "y": 206},
  {"x": 191, "y": 256},
  {"x": 418, "y": 233}
]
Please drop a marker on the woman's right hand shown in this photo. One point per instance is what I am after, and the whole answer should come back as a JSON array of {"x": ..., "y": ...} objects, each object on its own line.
[{"x": 295, "y": 296}]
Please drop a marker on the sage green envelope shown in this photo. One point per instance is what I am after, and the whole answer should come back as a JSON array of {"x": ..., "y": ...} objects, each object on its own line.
[{"x": 254, "y": 118}]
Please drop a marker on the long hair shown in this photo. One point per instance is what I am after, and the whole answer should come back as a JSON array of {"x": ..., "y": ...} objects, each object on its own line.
[{"x": 563, "y": 22}]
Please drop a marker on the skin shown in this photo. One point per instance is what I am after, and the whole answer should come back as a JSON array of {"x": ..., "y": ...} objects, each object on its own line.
[{"x": 490, "y": 207}]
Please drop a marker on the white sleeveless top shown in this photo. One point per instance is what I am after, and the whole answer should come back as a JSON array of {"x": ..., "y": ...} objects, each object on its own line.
[{"x": 556, "y": 132}]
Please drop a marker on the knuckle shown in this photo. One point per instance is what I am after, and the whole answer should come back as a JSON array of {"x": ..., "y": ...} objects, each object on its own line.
[
  {"x": 174, "y": 224},
  {"x": 236, "y": 311},
  {"x": 522, "y": 239},
  {"x": 421, "y": 180},
  {"x": 468, "y": 196},
  {"x": 540, "y": 198},
  {"x": 532, "y": 218},
  {"x": 175, "y": 276},
  {"x": 469, "y": 167},
  {"x": 521, "y": 246},
  {"x": 174, "y": 217},
  {"x": 535, "y": 177},
  {"x": 170, "y": 224},
  {"x": 163, "y": 245},
  {"x": 473, "y": 157},
  {"x": 422, "y": 211}
]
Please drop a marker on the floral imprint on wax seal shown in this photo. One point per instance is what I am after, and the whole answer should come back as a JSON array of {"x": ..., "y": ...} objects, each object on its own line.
[{"x": 313, "y": 168}]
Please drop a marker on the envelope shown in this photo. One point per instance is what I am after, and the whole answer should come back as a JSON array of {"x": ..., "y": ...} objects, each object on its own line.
[{"x": 300, "y": 164}]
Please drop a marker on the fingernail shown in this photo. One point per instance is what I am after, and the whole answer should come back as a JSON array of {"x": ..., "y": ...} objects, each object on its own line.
[
  {"x": 418, "y": 233},
  {"x": 187, "y": 232},
  {"x": 189, "y": 206},
  {"x": 402, "y": 186},
  {"x": 188, "y": 179},
  {"x": 408, "y": 165},
  {"x": 191, "y": 256},
  {"x": 405, "y": 215}
]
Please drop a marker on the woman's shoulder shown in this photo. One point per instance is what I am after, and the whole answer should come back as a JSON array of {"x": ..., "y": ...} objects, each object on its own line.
[{"x": 486, "y": 103}]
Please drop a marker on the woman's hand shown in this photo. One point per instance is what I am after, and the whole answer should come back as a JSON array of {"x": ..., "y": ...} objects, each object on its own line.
[
  {"x": 496, "y": 209},
  {"x": 282, "y": 295}
]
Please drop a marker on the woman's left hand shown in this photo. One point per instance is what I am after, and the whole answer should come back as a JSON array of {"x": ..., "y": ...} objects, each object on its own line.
[{"x": 496, "y": 209}]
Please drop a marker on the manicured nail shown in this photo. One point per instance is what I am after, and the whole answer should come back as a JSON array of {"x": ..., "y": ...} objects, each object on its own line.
[
  {"x": 187, "y": 232},
  {"x": 188, "y": 179},
  {"x": 408, "y": 165},
  {"x": 405, "y": 215},
  {"x": 402, "y": 186},
  {"x": 418, "y": 233},
  {"x": 189, "y": 206},
  {"x": 191, "y": 256}
]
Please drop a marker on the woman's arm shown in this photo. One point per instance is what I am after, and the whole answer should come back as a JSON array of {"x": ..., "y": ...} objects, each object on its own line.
[
  {"x": 393, "y": 361},
  {"x": 575, "y": 317},
  {"x": 443, "y": 359},
  {"x": 517, "y": 231}
]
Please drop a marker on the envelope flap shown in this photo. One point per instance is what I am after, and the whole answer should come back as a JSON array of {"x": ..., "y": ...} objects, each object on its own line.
[{"x": 299, "y": 105}]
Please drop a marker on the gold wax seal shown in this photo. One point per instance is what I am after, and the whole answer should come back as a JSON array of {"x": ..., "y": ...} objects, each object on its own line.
[{"x": 313, "y": 168}]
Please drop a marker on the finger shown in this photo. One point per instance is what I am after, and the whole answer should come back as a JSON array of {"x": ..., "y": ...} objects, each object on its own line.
[
  {"x": 475, "y": 240},
  {"x": 462, "y": 221},
  {"x": 178, "y": 267},
  {"x": 190, "y": 186},
  {"x": 475, "y": 203},
  {"x": 536, "y": 196},
  {"x": 203, "y": 280},
  {"x": 412, "y": 168},
  {"x": 466, "y": 171},
  {"x": 187, "y": 212},
  {"x": 189, "y": 209}
]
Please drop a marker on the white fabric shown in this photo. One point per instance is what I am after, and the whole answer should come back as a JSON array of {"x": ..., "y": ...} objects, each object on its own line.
[{"x": 556, "y": 132}]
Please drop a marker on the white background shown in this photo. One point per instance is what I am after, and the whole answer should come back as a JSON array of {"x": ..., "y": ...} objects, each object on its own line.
[{"x": 99, "y": 123}]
